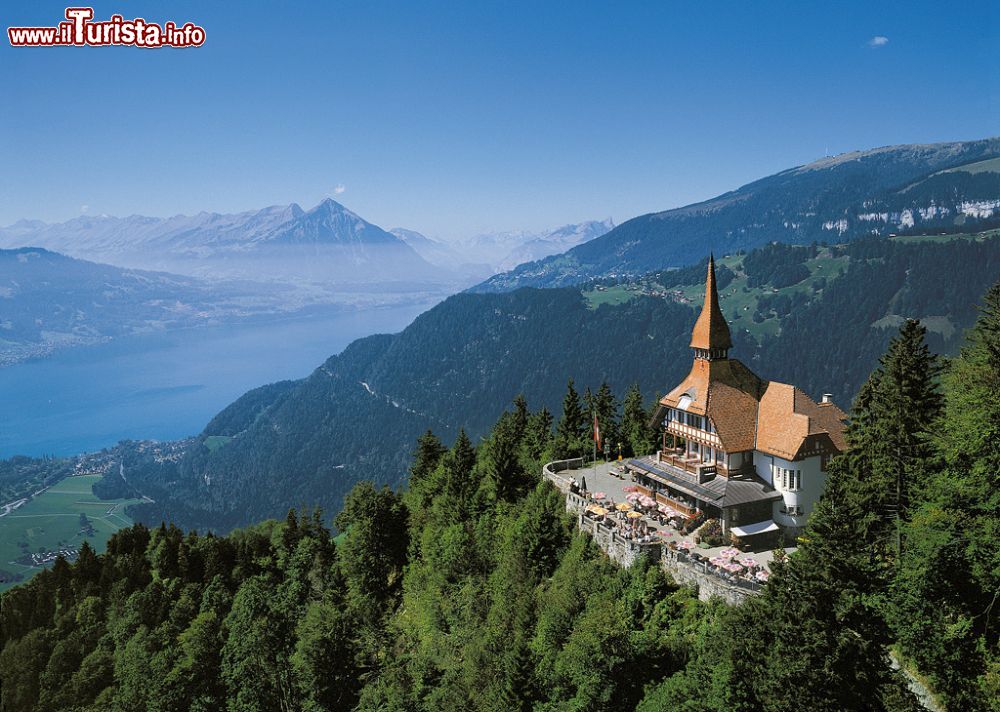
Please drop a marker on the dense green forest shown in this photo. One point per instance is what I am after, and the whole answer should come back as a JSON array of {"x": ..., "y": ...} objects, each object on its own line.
[{"x": 470, "y": 589}]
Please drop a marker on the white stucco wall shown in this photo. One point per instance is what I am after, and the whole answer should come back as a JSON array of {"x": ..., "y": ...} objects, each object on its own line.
[{"x": 813, "y": 482}]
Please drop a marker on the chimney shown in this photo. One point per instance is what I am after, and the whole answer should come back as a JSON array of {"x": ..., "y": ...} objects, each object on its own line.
[{"x": 827, "y": 399}]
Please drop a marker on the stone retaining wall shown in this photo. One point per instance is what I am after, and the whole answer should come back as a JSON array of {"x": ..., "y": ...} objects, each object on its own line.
[
  {"x": 624, "y": 552},
  {"x": 709, "y": 585}
]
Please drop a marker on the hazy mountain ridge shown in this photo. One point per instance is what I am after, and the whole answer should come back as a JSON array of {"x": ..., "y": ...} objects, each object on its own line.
[
  {"x": 880, "y": 191},
  {"x": 487, "y": 253},
  {"x": 328, "y": 243}
]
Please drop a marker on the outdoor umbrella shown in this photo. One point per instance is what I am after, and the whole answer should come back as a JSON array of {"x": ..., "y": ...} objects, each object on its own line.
[
  {"x": 600, "y": 495},
  {"x": 624, "y": 507},
  {"x": 583, "y": 483},
  {"x": 633, "y": 515}
]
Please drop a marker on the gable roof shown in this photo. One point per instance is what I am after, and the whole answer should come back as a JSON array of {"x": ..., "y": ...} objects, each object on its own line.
[{"x": 727, "y": 392}]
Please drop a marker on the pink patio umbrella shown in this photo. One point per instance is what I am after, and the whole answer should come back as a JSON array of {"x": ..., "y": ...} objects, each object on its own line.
[
  {"x": 630, "y": 488},
  {"x": 687, "y": 544},
  {"x": 647, "y": 501},
  {"x": 632, "y": 497},
  {"x": 664, "y": 533},
  {"x": 762, "y": 575},
  {"x": 730, "y": 553},
  {"x": 749, "y": 562},
  {"x": 599, "y": 495},
  {"x": 717, "y": 561},
  {"x": 733, "y": 568}
]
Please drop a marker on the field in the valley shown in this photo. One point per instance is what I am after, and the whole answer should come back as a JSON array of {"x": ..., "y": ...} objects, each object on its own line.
[{"x": 51, "y": 522}]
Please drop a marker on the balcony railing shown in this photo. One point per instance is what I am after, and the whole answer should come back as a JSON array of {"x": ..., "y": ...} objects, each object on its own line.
[
  {"x": 694, "y": 465},
  {"x": 689, "y": 432}
]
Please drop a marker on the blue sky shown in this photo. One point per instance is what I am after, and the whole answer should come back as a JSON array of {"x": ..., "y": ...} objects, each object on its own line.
[{"x": 454, "y": 118}]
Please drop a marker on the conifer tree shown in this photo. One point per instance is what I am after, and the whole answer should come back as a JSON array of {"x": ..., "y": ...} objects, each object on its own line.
[
  {"x": 538, "y": 437},
  {"x": 606, "y": 408},
  {"x": 521, "y": 415},
  {"x": 905, "y": 403},
  {"x": 571, "y": 426},
  {"x": 426, "y": 457},
  {"x": 637, "y": 436}
]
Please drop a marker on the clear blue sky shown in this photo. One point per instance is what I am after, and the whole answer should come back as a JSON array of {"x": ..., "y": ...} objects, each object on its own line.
[{"x": 454, "y": 118}]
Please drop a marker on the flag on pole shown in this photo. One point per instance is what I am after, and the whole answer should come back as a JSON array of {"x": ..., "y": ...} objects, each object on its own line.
[{"x": 597, "y": 433}]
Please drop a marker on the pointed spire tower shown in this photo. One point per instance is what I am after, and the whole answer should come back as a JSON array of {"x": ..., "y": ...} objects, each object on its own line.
[{"x": 710, "y": 339}]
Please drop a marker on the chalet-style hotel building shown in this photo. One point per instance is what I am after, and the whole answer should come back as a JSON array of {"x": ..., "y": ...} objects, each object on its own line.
[{"x": 750, "y": 452}]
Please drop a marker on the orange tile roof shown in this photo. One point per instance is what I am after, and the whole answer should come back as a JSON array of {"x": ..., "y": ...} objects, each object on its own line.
[
  {"x": 711, "y": 330},
  {"x": 727, "y": 392},
  {"x": 752, "y": 414}
]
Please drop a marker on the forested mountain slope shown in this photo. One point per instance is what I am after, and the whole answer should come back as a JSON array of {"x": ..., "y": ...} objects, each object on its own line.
[
  {"x": 895, "y": 189},
  {"x": 821, "y": 317}
]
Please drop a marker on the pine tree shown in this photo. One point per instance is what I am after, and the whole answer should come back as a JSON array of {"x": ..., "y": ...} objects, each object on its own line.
[
  {"x": 426, "y": 457},
  {"x": 538, "y": 437},
  {"x": 521, "y": 416},
  {"x": 638, "y": 438},
  {"x": 906, "y": 404},
  {"x": 572, "y": 425},
  {"x": 502, "y": 459},
  {"x": 606, "y": 408}
]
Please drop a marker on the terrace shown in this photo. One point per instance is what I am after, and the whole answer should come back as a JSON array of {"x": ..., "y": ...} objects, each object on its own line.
[{"x": 626, "y": 521}]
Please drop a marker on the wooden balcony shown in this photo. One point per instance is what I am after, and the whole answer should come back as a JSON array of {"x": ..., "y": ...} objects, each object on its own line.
[
  {"x": 691, "y": 433},
  {"x": 674, "y": 504},
  {"x": 664, "y": 498},
  {"x": 694, "y": 465}
]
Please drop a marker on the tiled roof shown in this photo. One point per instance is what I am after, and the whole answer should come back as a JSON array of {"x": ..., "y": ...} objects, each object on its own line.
[
  {"x": 727, "y": 392},
  {"x": 711, "y": 330},
  {"x": 788, "y": 417}
]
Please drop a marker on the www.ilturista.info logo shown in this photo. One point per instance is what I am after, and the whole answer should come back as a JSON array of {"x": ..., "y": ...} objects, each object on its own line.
[{"x": 79, "y": 30}]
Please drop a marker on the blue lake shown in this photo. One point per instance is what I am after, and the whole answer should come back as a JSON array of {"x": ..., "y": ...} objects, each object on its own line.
[{"x": 168, "y": 385}]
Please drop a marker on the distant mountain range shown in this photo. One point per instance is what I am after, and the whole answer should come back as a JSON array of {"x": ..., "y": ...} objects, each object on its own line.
[
  {"x": 327, "y": 243},
  {"x": 488, "y": 253},
  {"x": 816, "y": 317},
  {"x": 212, "y": 268},
  {"x": 896, "y": 189}
]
